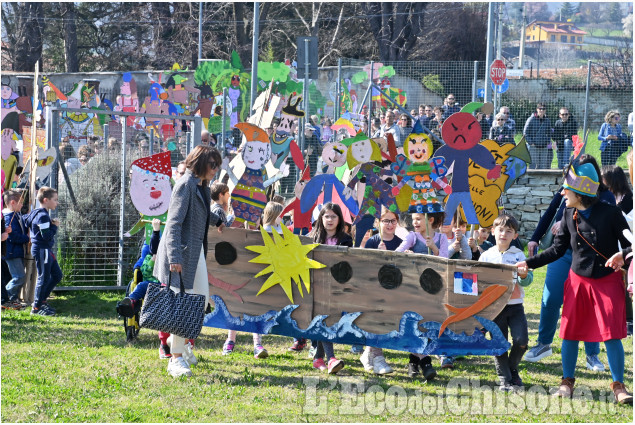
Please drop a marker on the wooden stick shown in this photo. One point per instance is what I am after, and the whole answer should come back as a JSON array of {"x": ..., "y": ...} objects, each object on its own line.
[{"x": 427, "y": 229}]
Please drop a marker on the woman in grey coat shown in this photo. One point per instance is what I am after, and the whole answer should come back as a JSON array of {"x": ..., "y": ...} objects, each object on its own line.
[{"x": 183, "y": 246}]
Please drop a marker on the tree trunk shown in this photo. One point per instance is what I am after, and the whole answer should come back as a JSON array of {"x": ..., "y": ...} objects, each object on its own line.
[
  {"x": 243, "y": 43},
  {"x": 70, "y": 37},
  {"x": 29, "y": 27}
]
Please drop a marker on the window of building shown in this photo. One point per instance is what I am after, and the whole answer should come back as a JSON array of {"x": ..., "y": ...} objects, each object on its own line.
[
  {"x": 572, "y": 39},
  {"x": 534, "y": 28},
  {"x": 553, "y": 38},
  {"x": 528, "y": 37},
  {"x": 533, "y": 37},
  {"x": 579, "y": 39},
  {"x": 563, "y": 38}
]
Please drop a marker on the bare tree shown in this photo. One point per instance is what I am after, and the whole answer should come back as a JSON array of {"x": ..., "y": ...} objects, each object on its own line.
[
  {"x": 70, "y": 36},
  {"x": 395, "y": 26},
  {"x": 24, "y": 26}
]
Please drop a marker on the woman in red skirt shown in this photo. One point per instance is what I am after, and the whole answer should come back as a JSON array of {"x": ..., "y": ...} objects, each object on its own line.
[{"x": 594, "y": 302}]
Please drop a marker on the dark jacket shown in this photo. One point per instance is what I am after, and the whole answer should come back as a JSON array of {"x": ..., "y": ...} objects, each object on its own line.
[
  {"x": 18, "y": 236},
  {"x": 603, "y": 230},
  {"x": 564, "y": 130},
  {"x": 41, "y": 229},
  {"x": 502, "y": 135},
  {"x": 537, "y": 131}
]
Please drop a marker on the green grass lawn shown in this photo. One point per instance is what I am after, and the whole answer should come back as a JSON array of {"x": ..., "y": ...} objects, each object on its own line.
[{"x": 77, "y": 367}]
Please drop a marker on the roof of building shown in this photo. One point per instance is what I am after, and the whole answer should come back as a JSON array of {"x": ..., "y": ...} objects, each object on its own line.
[{"x": 558, "y": 27}]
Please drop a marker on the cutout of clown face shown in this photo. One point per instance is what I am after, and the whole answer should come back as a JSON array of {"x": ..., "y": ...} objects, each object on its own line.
[
  {"x": 362, "y": 150},
  {"x": 334, "y": 154},
  {"x": 461, "y": 131},
  {"x": 150, "y": 192},
  {"x": 256, "y": 154},
  {"x": 419, "y": 148},
  {"x": 287, "y": 125}
]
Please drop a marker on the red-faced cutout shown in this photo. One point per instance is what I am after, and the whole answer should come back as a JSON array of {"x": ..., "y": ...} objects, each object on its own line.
[{"x": 461, "y": 131}]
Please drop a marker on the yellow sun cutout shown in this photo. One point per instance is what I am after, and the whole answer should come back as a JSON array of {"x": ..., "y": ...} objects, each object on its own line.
[{"x": 287, "y": 260}]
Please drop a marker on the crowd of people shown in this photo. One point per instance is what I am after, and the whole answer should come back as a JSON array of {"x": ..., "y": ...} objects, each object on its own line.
[{"x": 587, "y": 219}]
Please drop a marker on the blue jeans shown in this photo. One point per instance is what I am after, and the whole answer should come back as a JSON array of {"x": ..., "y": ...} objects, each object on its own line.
[
  {"x": 18, "y": 275},
  {"x": 49, "y": 275},
  {"x": 552, "y": 296},
  {"x": 540, "y": 157},
  {"x": 322, "y": 348},
  {"x": 465, "y": 199}
]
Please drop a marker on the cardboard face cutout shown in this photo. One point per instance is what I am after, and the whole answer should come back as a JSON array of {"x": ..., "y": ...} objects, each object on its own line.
[
  {"x": 150, "y": 188},
  {"x": 418, "y": 147},
  {"x": 334, "y": 154},
  {"x": 256, "y": 154},
  {"x": 461, "y": 131}
]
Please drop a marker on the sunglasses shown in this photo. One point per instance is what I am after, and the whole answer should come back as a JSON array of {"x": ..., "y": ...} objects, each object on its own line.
[
  {"x": 564, "y": 114},
  {"x": 541, "y": 109},
  {"x": 500, "y": 119}
]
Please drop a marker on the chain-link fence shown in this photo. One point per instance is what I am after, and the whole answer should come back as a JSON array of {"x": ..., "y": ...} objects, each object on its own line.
[
  {"x": 93, "y": 182},
  {"x": 586, "y": 93}
]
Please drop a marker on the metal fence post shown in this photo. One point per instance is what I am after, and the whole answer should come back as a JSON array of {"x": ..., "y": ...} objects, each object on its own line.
[
  {"x": 474, "y": 81},
  {"x": 54, "y": 132},
  {"x": 370, "y": 95},
  {"x": 586, "y": 103},
  {"x": 188, "y": 143},
  {"x": 222, "y": 141},
  {"x": 120, "y": 268},
  {"x": 151, "y": 142},
  {"x": 338, "y": 85},
  {"x": 198, "y": 129}
]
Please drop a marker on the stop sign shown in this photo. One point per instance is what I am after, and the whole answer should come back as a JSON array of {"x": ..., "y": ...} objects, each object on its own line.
[{"x": 498, "y": 72}]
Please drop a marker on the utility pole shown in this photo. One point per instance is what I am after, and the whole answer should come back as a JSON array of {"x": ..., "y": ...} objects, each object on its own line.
[
  {"x": 521, "y": 53},
  {"x": 538, "y": 55},
  {"x": 200, "y": 31},
  {"x": 499, "y": 47},
  {"x": 254, "y": 56},
  {"x": 490, "y": 50}
]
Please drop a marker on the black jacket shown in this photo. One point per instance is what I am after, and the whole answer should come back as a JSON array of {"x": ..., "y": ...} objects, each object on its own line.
[
  {"x": 603, "y": 230},
  {"x": 564, "y": 130}
]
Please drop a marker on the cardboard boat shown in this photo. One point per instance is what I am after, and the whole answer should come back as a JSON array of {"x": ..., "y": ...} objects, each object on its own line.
[{"x": 411, "y": 302}]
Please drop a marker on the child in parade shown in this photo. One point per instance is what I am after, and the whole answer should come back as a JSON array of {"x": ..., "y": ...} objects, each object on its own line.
[
  {"x": 14, "y": 256},
  {"x": 512, "y": 317},
  {"x": 593, "y": 306},
  {"x": 425, "y": 240},
  {"x": 329, "y": 230},
  {"x": 220, "y": 202},
  {"x": 42, "y": 231},
  {"x": 373, "y": 358}
]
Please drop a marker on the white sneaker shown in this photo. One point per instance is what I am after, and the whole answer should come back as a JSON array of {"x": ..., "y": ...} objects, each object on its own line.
[
  {"x": 177, "y": 366},
  {"x": 367, "y": 359},
  {"x": 539, "y": 352},
  {"x": 189, "y": 356},
  {"x": 380, "y": 367}
]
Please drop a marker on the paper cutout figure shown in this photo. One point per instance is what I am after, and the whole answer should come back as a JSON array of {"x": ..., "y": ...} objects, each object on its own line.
[
  {"x": 128, "y": 100},
  {"x": 265, "y": 107},
  {"x": 301, "y": 220},
  {"x": 287, "y": 259},
  {"x": 45, "y": 161},
  {"x": 420, "y": 173},
  {"x": 150, "y": 191},
  {"x": 9, "y": 100},
  {"x": 10, "y": 128},
  {"x": 461, "y": 133},
  {"x": 334, "y": 155},
  {"x": 343, "y": 123},
  {"x": 282, "y": 142},
  {"x": 377, "y": 192},
  {"x": 78, "y": 126},
  {"x": 248, "y": 197},
  {"x": 488, "y": 296},
  {"x": 180, "y": 95}
]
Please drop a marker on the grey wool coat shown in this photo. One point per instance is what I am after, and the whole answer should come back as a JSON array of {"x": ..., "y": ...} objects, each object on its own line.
[{"x": 185, "y": 231}]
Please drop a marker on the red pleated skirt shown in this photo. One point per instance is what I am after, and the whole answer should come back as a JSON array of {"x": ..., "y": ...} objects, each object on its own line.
[{"x": 593, "y": 310}]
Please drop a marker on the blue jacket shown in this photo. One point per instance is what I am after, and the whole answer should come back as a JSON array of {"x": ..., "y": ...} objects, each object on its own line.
[
  {"x": 42, "y": 231},
  {"x": 537, "y": 131},
  {"x": 18, "y": 236}
]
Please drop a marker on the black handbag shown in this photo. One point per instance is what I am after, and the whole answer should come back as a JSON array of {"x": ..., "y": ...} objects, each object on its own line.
[{"x": 179, "y": 313}]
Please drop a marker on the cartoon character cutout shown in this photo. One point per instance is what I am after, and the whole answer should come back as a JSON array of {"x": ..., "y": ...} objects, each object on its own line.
[
  {"x": 282, "y": 141},
  {"x": 334, "y": 155},
  {"x": 234, "y": 92},
  {"x": 461, "y": 133},
  {"x": 150, "y": 191},
  {"x": 179, "y": 94},
  {"x": 364, "y": 152},
  {"x": 248, "y": 197},
  {"x": 9, "y": 100},
  {"x": 10, "y": 128},
  {"x": 128, "y": 100},
  {"x": 301, "y": 220},
  {"x": 421, "y": 173}
]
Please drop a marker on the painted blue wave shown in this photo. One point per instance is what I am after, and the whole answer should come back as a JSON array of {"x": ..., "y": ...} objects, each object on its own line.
[{"x": 409, "y": 337}]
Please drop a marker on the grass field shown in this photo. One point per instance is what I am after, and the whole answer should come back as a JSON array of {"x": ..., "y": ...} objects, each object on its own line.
[{"x": 77, "y": 367}]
